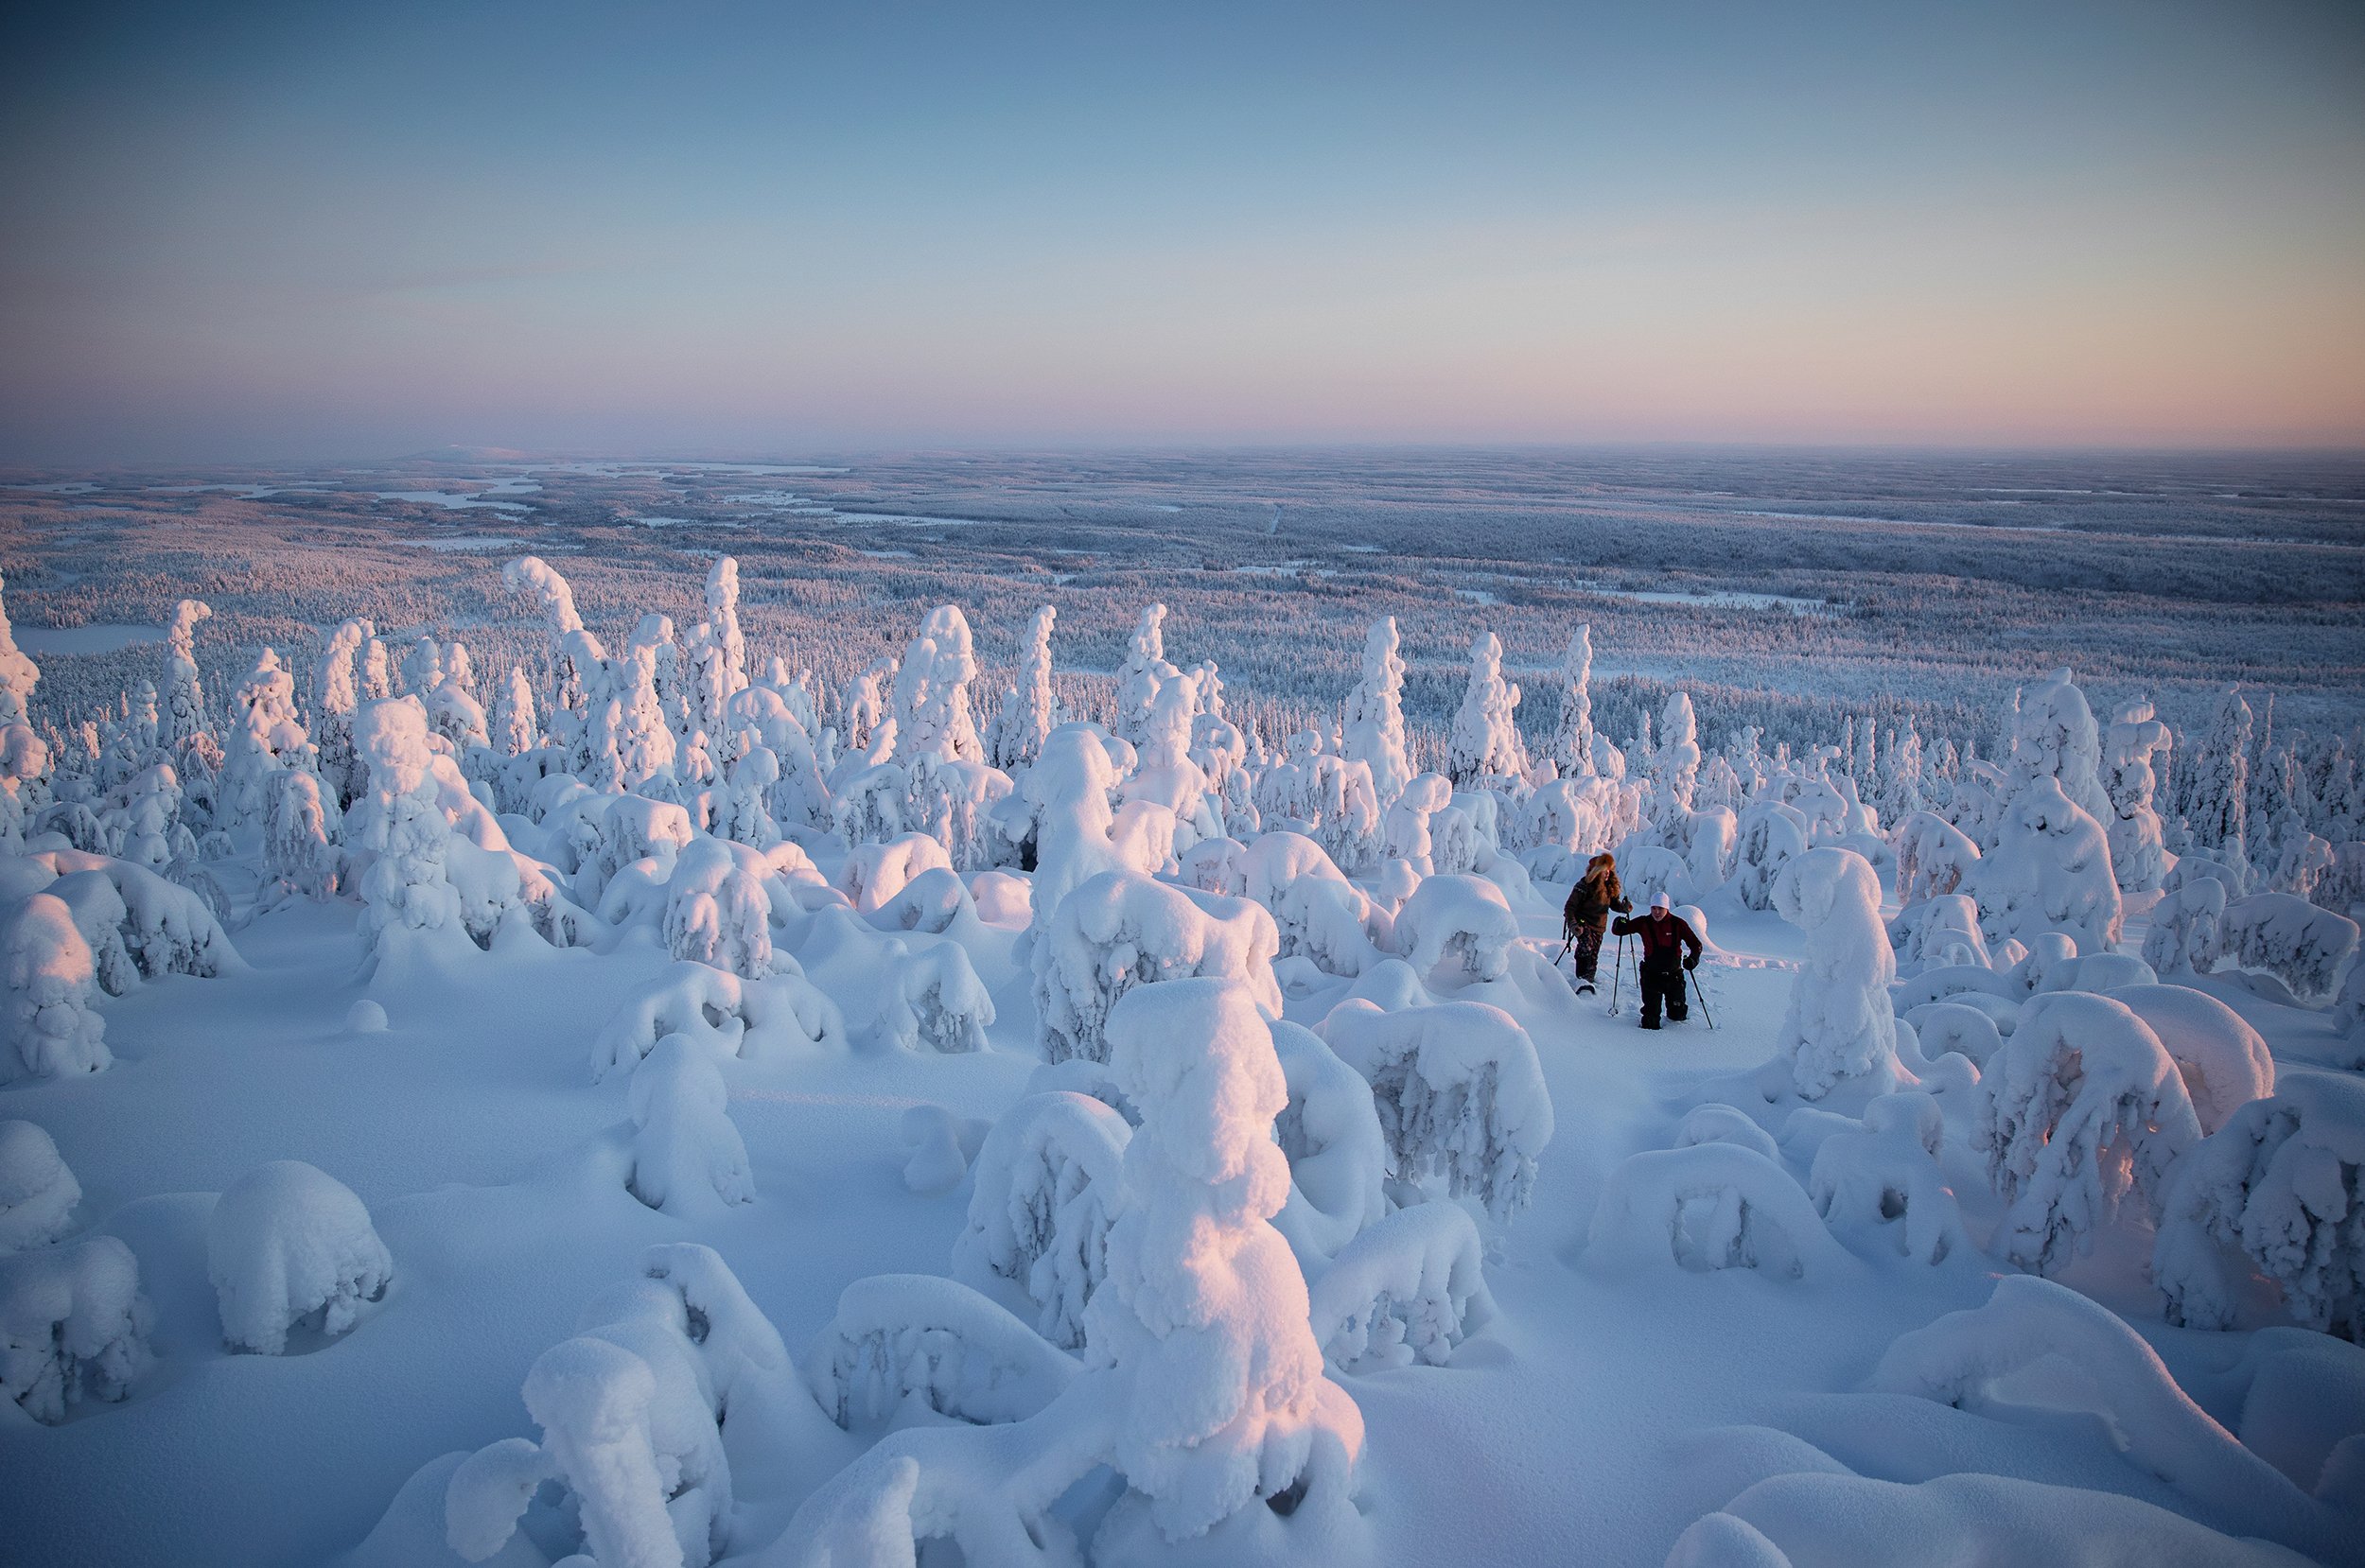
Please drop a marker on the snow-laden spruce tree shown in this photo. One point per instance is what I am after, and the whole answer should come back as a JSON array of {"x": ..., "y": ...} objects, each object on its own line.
[
  {"x": 1029, "y": 710},
  {"x": 718, "y": 649},
  {"x": 2138, "y": 849},
  {"x": 1121, "y": 930},
  {"x": 2212, "y": 790},
  {"x": 290, "y": 1245},
  {"x": 1839, "y": 1028},
  {"x": 269, "y": 737},
  {"x": 1373, "y": 732},
  {"x": 2049, "y": 870},
  {"x": 183, "y": 715},
  {"x": 336, "y": 693},
  {"x": 301, "y": 830},
  {"x": 514, "y": 731},
  {"x": 407, "y": 892},
  {"x": 1061, "y": 814},
  {"x": 1205, "y": 1310},
  {"x": 2081, "y": 1105},
  {"x": 1143, "y": 673},
  {"x": 2280, "y": 1186},
  {"x": 50, "y": 1024},
  {"x": 1460, "y": 1094},
  {"x": 581, "y": 702},
  {"x": 2053, "y": 737},
  {"x": 931, "y": 712},
  {"x": 1485, "y": 741},
  {"x": 1164, "y": 773},
  {"x": 1674, "y": 767},
  {"x": 1571, "y": 749},
  {"x": 18, "y": 674}
]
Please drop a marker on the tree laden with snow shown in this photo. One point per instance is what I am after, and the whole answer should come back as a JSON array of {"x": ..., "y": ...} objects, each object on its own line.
[{"x": 2080, "y": 1107}]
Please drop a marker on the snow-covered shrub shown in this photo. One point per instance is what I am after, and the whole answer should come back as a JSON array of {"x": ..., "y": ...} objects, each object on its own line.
[
  {"x": 684, "y": 1145},
  {"x": 2290, "y": 938},
  {"x": 1461, "y": 924},
  {"x": 934, "y": 999},
  {"x": 1405, "y": 829},
  {"x": 1721, "y": 1123},
  {"x": 1204, "y": 1310},
  {"x": 289, "y": 1244},
  {"x": 1970, "y": 1360},
  {"x": 1332, "y": 925},
  {"x": 2224, "y": 1063},
  {"x": 898, "y": 1335},
  {"x": 725, "y": 1015},
  {"x": 1772, "y": 834},
  {"x": 1943, "y": 1026},
  {"x": 1119, "y": 930},
  {"x": 142, "y": 819},
  {"x": 1708, "y": 1206},
  {"x": 52, "y": 1023},
  {"x": 1839, "y": 1027},
  {"x": 1460, "y": 1094},
  {"x": 873, "y": 873},
  {"x": 1330, "y": 1133},
  {"x": 2080, "y": 1106},
  {"x": 1867, "y": 1181},
  {"x": 717, "y": 911},
  {"x": 2283, "y": 1181},
  {"x": 1039, "y": 1215},
  {"x": 631, "y": 1413},
  {"x": 2053, "y": 737},
  {"x": 2186, "y": 928},
  {"x": 73, "y": 1326},
  {"x": 1408, "y": 1287},
  {"x": 1933, "y": 857},
  {"x": 933, "y": 902},
  {"x": 37, "y": 1192},
  {"x": 1941, "y": 931},
  {"x": 2049, "y": 870}
]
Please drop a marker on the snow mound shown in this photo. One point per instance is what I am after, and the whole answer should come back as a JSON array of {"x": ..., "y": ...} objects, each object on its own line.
[
  {"x": 896, "y": 1336},
  {"x": 37, "y": 1192},
  {"x": 685, "y": 1146},
  {"x": 73, "y": 1326},
  {"x": 1707, "y": 1207},
  {"x": 287, "y": 1244},
  {"x": 1457, "y": 925}
]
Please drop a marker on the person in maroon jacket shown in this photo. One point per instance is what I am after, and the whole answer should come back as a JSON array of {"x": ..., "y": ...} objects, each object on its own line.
[{"x": 1669, "y": 946}]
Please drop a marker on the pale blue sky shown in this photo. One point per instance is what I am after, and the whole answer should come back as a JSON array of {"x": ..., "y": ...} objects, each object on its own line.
[{"x": 255, "y": 230}]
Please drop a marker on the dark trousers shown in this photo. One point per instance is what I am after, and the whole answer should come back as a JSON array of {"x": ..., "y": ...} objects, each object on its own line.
[
  {"x": 1588, "y": 951},
  {"x": 1663, "y": 984}
]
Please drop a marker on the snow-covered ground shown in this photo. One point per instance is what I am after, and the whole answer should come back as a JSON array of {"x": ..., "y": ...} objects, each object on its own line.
[{"x": 675, "y": 1115}]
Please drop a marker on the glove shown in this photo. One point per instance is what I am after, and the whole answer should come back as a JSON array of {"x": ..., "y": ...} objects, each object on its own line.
[{"x": 1692, "y": 961}]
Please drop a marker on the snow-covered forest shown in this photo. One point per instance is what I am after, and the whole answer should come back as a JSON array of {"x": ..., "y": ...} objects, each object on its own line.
[{"x": 590, "y": 1054}]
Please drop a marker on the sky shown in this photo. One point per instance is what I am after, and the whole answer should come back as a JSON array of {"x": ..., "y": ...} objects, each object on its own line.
[{"x": 328, "y": 231}]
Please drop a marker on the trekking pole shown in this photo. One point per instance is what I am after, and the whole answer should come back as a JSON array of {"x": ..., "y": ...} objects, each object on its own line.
[
  {"x": 1617, "y": 976},
  {"x": 1699, "y": 989}
]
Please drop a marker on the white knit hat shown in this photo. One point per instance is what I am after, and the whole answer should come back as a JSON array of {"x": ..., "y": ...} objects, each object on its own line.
[{"x": 1663, "y": 902}]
